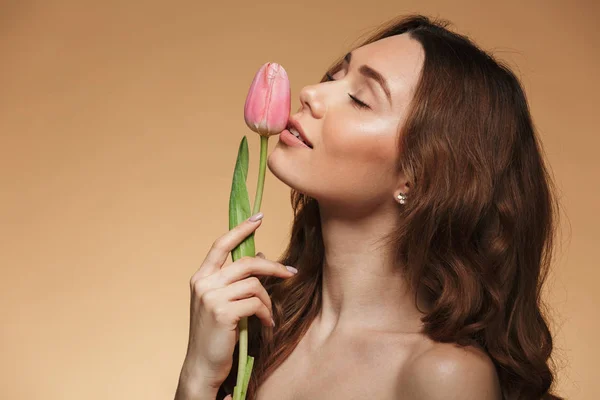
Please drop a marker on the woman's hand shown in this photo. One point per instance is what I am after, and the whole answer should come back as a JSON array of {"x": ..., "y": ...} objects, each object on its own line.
[{"x": 220, "y": 297}]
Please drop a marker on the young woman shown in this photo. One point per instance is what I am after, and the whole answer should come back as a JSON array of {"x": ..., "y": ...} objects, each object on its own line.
[{"x": 423, "y": 229}]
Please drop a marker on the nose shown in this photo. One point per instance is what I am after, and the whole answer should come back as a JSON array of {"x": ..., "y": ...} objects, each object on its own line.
[{"x": 311, "y": 97}]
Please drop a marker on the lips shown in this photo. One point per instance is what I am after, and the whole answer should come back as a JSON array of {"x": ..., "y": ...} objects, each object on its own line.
[{"x": 294, "y": 124}]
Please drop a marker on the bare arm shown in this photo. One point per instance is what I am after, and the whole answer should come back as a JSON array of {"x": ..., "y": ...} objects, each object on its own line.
[{"x": 194, "y": 387}]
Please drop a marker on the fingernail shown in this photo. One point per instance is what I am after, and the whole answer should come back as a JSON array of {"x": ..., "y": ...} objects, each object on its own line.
[
  {"x": 273, "y": 322},
  {"x": 256, "y": 217},
  {"x": 291, "y": 269}
]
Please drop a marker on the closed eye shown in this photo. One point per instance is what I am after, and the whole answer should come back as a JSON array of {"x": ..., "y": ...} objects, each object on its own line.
[{"x": 356, "y": 102}]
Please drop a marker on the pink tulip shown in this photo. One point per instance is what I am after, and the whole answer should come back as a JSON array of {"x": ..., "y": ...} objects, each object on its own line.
[
  {"x": 267, "y": 108},
  {"x": 266, "y": 112}
]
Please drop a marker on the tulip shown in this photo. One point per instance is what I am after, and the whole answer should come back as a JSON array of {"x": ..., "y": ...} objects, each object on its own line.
[
  {"x": 267, "y": 107},
  {"x": 266, "y": 112}
]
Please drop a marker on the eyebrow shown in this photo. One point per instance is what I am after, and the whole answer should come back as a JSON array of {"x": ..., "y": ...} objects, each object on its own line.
[{"x": 376, "y": 76}]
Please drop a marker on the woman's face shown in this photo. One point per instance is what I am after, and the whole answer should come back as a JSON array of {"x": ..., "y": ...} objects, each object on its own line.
[{"x": 352, "y": 161}]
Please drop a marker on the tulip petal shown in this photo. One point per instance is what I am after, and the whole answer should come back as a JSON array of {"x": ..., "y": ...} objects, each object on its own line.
[{"x": 267, "y": 107}]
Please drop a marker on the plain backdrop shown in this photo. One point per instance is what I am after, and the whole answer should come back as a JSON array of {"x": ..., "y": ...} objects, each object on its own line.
[{"x": 119, "y": 127}]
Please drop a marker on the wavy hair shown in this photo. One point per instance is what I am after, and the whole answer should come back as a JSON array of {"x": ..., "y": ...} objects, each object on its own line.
[{"x": 477, "y": 235}]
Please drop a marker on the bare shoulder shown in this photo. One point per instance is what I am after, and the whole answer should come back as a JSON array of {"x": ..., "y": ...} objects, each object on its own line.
[{"x": 448, "y": 371}]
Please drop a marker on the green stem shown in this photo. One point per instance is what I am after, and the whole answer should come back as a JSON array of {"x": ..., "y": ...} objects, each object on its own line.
[
  {"x": 243, "y": 324},
  {"x": 243, "y": 357},
  {"x": 264, "y": 147}
]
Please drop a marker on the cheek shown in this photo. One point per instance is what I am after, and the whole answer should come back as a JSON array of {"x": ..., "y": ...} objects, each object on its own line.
[
  {"x": 357, "y": 155},
  {"x": 361, "y": 144}
]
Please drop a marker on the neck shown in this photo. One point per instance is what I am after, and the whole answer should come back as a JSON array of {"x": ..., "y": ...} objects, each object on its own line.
[{"x": 363, "y": 286}]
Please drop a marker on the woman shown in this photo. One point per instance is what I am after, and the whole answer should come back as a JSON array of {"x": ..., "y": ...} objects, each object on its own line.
[{"x": 423, "y": 229}]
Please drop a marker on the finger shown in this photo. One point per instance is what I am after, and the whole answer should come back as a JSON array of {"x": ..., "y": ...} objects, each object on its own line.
[
  {"x": 259, "y": 255},
  {"x": 246, "y": 266},
  {"x": 219, "y": 251},
  {"x": 247, "y": 307},
  {"x": 249, "y": 287}
]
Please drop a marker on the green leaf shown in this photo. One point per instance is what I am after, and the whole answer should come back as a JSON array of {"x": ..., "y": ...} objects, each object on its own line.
[
  {"x": 247, "y": 373},
  {"x": 239, "y": 201}
]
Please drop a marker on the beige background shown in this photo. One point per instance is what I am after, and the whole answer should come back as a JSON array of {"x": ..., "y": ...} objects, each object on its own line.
[{"x": 119, "y": 124}]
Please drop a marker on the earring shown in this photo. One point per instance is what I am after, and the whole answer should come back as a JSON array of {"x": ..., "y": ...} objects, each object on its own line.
[{"x": 402, "y": 198}]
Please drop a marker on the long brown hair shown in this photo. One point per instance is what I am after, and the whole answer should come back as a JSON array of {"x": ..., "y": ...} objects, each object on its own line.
[{"x": 477, "y": 234}]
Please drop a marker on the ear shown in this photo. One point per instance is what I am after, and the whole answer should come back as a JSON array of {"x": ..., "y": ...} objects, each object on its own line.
[{"x": 403, "y": 187}]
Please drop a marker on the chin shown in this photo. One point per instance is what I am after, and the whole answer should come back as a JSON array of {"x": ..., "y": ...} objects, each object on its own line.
[
  {"x": 274, "y": 163},
  {"x": 280, "y": 166}
]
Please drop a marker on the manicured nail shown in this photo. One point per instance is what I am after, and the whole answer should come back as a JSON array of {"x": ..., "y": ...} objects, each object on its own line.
[
  {"x": 256, "y": 217},
  {"x": 291, "y": 269}
]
